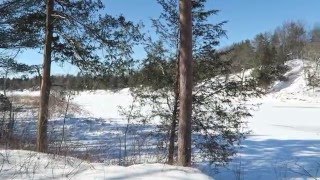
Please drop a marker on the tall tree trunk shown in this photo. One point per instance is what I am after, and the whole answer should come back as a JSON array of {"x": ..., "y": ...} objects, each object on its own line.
[
  {"x": 5, "y": 82},
  {"x": 174, "y": 118},
  {"x": 39, "y": 75},
  {"x": 186, "y": 78},
  {"x": 42, "y": 142}
]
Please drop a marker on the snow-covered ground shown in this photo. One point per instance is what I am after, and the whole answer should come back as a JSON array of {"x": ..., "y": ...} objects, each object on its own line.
[
  {"x": 18, "y": 164},
  {"x": 285, "y": 138},
  {"x": 284, "y": 143},
  {"x": 104, "y": 104}
]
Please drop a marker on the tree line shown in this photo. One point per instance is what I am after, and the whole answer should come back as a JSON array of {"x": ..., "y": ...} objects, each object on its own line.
[{"x": 267, "y": 52}]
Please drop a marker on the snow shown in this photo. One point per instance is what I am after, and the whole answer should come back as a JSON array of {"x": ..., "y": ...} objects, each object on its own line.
[
  {"x": 104, "y": 104},
  {"x": 285, "y": 138},
  {"x": 18, "y": 164},
  {"x": 284, "y": 142},
  {"x": 24, "y": 93}
]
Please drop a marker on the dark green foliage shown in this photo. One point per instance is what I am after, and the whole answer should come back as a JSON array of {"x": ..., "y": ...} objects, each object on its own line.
[
  {"x": 241, "y": 55},
  {"x": 217, "y": 117},
  {"x": 81, "y": 33},
  {"x": 217, "y": 120},
  {"x": 157, "y": 72},
  {"x": 9, "y": 65},
  {"x": 270, "y": 60},
  {"x": 74, "y": 82}
]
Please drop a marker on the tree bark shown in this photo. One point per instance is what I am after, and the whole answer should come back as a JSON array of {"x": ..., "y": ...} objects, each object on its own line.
[
  {"x": 42, "y": 141},
  {"x": 39, "y": 74},
  {"x": 174, "y": 119},
  {"x": 186, "y": 78},
  {"x": 5, "y": 82}
]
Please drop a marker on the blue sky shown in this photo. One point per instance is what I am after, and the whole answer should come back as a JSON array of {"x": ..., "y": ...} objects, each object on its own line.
[{"x": 246, "y": 18}]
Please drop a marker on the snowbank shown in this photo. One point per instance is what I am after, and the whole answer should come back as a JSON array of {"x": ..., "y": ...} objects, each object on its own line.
[{"x": 18, "y": 164}]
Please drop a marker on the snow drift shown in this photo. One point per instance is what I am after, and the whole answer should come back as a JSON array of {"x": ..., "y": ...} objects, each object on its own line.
[{"x": 18, "y": 164}]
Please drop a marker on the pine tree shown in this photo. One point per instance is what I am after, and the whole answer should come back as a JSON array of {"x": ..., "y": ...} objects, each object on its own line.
[
  {"x": 74, "y": 32},
  {"x": 216, "y": 121},
  {"x": 167, "y": 27},
  {"x": 186, "y": 78},
  {"x": 42, "y": 144}
]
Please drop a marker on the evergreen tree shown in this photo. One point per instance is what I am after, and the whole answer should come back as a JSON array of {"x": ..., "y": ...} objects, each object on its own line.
[
  {"x": 185, "y": 83},
  {"x": 217, "y": 122},
  {"x": 240, "y": 55},
  {"x": 69, "y": 31}
]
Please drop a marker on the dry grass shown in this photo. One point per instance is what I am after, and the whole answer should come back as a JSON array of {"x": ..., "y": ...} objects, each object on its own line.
[
  {"x": 57, "y": 104},
  {"x": 60, "y": 105},
  {"x": 25, "y": 101}
]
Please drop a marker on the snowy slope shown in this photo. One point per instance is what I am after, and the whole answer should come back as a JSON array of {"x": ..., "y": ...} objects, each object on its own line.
[
  {"x": 295, "y": 89},
  {"x": 285, "y": 138},
  {"x": 290, "y": 110},
  {"x": 17, "y": 164}
]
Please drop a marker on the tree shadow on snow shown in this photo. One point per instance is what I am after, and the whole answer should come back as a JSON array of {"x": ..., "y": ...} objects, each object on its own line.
[
  {"x": 274, "y": 159},
  {"x": 94, "y": 139}
]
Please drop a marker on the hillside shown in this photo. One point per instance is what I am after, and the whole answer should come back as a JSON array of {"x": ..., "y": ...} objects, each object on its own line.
[{"x": 284, "y": 143}]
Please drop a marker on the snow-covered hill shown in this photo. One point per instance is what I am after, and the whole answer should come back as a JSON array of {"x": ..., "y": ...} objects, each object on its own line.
[
  {"x": 296, "y": 87},
  {"x": 285, "y": 138}
]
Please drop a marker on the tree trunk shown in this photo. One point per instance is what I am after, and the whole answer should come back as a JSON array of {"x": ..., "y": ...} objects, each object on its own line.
[
  {"x": 186, "y": 78},
  {"x": 39, "y": 74},
  {"x": 173, "y": 128},
  {"x": 174, "y": 117},
  {"x": 5, "y": 82},
  {"x": 42, "y": 142}
]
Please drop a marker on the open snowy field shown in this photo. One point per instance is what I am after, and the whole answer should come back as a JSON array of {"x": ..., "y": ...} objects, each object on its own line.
[{"x": 284, "y": 142}]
